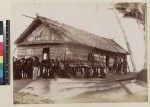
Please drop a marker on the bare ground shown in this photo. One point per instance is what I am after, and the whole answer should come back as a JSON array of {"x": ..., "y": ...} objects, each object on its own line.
[
  {"x": 107, "y": 90},
  {"x": 27, "y": 98}
]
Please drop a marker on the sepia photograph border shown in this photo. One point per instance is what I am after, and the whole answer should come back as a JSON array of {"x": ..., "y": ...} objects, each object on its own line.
[{"x": 7, "y": 91}]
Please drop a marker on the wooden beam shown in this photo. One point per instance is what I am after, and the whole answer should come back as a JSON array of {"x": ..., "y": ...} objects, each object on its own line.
[
  {"x": 28, "y": 16},
  {"x": 65, "y": 52}
]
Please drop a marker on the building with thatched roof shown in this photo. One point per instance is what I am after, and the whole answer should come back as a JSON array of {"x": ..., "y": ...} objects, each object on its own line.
[{"x": 46, "y": 38}]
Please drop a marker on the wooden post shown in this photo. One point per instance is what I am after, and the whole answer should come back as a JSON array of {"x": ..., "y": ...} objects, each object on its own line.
[
  {"x": 49, "y": 53},
  {"x": 92, "y": 59},
  {"x": 99, "y": 58},
  {"x": 65, "y": 53},
  {"x": 107, "y": 60},
  {"x": 125, "y": 64}
]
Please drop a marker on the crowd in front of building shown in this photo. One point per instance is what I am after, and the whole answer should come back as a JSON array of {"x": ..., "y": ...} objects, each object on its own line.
[{"x": 54, "y": 68}]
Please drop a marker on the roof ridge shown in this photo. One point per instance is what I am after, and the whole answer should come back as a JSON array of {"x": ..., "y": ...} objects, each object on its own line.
[{"x": 82, "y": 30}]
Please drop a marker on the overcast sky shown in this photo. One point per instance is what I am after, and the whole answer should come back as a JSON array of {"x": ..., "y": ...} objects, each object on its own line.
[{"x": 95, "y": 18}]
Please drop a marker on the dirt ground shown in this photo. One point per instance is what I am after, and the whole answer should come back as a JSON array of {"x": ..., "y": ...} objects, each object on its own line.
[
  {"x": 90, "y": 90},
  {"x": 27, "y": 98}
]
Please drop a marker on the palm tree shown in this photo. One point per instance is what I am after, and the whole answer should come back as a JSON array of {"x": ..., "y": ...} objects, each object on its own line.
[
  {"x": 136, "y": 11},
  {"x": 132, "y": 10}
]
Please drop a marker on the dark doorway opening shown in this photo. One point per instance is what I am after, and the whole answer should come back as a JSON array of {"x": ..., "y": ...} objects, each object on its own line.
[{"x": 46, "y": 52}]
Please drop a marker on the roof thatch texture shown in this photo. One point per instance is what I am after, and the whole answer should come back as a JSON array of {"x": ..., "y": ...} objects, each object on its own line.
[{"x": 77, "y": 36}]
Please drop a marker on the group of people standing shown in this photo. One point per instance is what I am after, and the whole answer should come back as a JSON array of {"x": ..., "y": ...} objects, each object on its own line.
[
  {"x": 33, "y": 68},
  {"x": 50, "y": 68},
  {"x": 119, "y": 66},
  {"x": 22, "y": 68}
]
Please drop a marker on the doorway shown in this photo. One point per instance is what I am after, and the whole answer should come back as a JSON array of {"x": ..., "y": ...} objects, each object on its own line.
[{"x": 46, "y": 53}]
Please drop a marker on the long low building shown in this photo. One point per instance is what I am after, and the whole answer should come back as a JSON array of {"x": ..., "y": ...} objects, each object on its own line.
[{"x": 46, "y": 38}]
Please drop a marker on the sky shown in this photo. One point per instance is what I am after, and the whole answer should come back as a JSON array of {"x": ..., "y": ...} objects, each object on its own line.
[{"x": 97, "y": 18}]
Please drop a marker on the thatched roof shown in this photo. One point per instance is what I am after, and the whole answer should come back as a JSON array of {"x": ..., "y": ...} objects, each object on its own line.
[{"x": 78, "y": 36}]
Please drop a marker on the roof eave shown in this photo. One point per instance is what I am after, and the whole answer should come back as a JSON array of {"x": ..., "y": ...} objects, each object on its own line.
[{"x": 27, "y": 30}]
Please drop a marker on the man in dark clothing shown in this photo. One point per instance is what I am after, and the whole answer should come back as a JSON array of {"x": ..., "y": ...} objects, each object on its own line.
[
  {"x": 67, "y": 69},
  {"x": 95, "y": 72},
  {"x": 119, "y": 69},
  {"x": 17, "y": 69},
  {"x": 52, "y": 67},
  {"x": 47, "y": 68},
  {"x": 57, "y": 66},
  {"x": 87, "y": 73},
  {"x": 124, "y": 65},
  {"x": 115, "y": 66},
  {"x": 102, "y": 73},
  {"x": 29, "y": 68}
]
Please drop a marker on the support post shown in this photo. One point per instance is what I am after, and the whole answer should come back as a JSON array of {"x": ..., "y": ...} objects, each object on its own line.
[
  {"x": 65, "y": 53},
  {"x": 107, "y": 60},
  {"x": 125, "y": 65}
]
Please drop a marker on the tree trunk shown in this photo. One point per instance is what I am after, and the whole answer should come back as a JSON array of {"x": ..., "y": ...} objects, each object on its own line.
[
  {"x": 126, "y": 40},
  {"x": 145, "y": 39}
]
